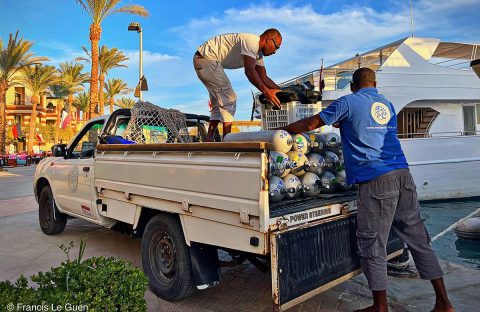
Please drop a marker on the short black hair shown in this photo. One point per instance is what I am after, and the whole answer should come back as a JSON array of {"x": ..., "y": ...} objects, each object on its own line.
[
  {"x": 272, "y": 32},
  {"x": 363, "y": 77}
]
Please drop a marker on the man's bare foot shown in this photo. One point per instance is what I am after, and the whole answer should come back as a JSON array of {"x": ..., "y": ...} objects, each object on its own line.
[
  {"x": 443, "y": 307},
  {"x": 373, "y": 308}
]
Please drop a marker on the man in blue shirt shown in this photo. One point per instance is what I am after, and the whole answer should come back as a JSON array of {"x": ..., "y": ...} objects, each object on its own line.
[{"x": 387, "y": 194}]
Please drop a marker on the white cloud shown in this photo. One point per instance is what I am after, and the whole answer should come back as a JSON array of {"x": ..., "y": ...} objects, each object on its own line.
[
  {"x": 308, "y": 36},
  {"x": 149, "y": 57}
]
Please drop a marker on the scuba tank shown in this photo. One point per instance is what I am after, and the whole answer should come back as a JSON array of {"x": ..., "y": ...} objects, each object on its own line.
[
  {"x": 293, "y": 184},
  {"x": 311, "y": 184},
  {"x": 280, "y": 139}
]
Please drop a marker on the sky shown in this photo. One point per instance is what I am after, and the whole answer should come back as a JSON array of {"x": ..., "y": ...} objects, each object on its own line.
[{"x": 311, "y": 31}]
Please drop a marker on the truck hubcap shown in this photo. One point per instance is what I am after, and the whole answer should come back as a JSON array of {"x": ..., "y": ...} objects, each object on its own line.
[
  {"x": 163, "y": 252},
  {"x": 47, "y": 215}
]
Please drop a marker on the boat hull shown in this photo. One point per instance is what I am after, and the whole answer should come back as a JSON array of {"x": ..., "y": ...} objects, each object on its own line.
[{"x": 444, "y": 167}]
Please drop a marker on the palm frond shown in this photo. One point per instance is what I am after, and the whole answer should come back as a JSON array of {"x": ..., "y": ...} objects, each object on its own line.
[
  {"x": 110, "y": 58},
  {"x": 124, "y": 102},
  {"x": 134, "y": 9}
]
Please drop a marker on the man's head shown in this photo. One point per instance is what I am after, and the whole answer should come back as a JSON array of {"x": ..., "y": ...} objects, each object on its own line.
[
  {"x": 270, "y": 41},
  {"x": 363, "y": 78}
]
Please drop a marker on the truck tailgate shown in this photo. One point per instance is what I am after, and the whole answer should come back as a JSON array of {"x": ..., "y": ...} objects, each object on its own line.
[{"x": 314, "y": 257}]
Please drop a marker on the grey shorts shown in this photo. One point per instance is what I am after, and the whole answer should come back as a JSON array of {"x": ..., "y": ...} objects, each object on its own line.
[{"x": 222, "y": 97}]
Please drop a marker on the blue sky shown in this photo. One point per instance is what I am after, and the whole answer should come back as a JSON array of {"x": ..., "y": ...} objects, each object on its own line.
[{"x": 312, "y": 30}]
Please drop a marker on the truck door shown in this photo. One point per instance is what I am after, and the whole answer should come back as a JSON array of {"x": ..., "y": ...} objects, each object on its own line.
[{"x": 73, "y": 174}]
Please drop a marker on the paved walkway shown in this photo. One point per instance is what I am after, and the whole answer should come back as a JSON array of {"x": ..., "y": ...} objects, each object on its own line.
[{"x": 24, "y": 249}]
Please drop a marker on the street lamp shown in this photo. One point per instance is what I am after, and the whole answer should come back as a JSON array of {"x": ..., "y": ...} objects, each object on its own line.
[{"x": 136, "y": 27}]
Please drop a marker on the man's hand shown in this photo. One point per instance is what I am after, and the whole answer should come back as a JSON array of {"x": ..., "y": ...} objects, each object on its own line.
[{"x": 271, "y": 95}]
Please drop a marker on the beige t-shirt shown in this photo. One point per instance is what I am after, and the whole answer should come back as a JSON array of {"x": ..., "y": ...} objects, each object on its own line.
[{"x": 227, "y": 49}]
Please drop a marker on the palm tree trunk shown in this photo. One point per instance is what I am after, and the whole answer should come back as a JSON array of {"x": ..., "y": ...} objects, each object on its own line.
[
  {"x": 33, "y": 121},
  {"x": 111, "y": 104},
  {"x": 95, "y": 33},
  {"x": 3, "y": 122},
  {"x": 57, "y": 124},
  {"x": 101, "y": 97},
  {"x": 70, "y": 109}
]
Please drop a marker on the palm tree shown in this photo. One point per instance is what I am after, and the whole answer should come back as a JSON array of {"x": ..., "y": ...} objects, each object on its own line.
[
  {"x": 37, "y": 79},
  {"x": 72, "y": 79},
  {"x": 98, "y": 10},
  {"x": 13, "y": 57},
  {"x": 115, "y": 87},
  {"x": 109, "y": 59},
  {"x": 125, "y": 102},
  {"x": 82, "y": 103}
]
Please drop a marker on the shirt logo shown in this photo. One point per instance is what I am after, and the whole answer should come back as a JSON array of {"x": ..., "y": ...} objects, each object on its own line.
[{"x": 380, "y": 113}]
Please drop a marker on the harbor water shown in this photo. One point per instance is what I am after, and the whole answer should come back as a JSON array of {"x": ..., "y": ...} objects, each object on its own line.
[{"x": 438, "y": 216}]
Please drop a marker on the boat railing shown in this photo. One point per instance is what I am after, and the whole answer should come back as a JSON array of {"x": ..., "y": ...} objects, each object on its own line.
[{"x": 436, "y": 134}]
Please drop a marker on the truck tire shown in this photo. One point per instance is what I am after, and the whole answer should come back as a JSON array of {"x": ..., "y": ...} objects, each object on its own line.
[
  {"x": 51, "y": 220},
  {"x": 166, "y": 258}
]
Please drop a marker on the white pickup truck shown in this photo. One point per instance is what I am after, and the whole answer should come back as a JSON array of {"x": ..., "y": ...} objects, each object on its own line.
[{"x": 188, "y": 200}]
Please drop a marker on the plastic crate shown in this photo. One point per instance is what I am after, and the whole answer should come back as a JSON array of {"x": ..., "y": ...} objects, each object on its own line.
[{"x": 290, "y": 112}]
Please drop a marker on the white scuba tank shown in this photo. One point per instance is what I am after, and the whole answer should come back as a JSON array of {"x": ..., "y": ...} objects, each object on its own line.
[
  {"x": 280, "y": 139},
  {"x": 303, "y": 143},
  {"x": 301, "y": 162}
]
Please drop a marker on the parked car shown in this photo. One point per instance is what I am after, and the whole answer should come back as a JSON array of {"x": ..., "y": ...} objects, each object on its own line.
[{"x": 23, "y": 159}]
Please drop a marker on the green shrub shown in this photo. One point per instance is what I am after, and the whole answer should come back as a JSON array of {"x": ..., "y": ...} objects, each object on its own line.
[{"x": 98, "y": 283}]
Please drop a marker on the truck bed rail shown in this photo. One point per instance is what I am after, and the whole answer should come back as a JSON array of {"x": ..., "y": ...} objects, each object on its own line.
[{"x": 190, "y": 147}]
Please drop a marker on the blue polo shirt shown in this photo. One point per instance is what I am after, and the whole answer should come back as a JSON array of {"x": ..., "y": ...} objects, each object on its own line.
[{"x": 368, "y": 127}]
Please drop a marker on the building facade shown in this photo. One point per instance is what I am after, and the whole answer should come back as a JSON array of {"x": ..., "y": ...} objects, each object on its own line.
[{"x": 18, "y": 112}]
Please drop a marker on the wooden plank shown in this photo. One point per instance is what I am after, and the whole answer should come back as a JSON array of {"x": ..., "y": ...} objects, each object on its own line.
[{"x": 200, "y": 146}]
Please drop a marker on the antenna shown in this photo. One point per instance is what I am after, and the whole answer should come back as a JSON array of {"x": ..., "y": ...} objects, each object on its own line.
[{"x": 411, "y": 18}]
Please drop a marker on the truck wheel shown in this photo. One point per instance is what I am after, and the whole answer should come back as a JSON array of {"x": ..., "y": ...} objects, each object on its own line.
[
  {"x": 166, "y": 258},
  {"x": 51, "y": 220}
]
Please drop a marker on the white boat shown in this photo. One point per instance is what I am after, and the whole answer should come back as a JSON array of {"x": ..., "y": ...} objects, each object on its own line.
[{"x": 436, "y": 95}]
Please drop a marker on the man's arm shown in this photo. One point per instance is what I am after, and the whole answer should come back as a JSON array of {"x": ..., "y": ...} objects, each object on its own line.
[
  {"x": 304, "y": 125},
  {"x": 262, "y": 72},
  {"x": 254, "y": 78}
]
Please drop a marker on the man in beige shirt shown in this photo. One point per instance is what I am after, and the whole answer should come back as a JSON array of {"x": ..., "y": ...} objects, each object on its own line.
[{"x": 232, "y": 51}]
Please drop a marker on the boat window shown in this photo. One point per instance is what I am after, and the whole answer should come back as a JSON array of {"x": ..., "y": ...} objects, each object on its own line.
[
  {"x": 469, "y": 120},
  {"x": 478, "y": 113},
  {"x": 455, "y": 55},
  {"x": 415, "y": 122}
]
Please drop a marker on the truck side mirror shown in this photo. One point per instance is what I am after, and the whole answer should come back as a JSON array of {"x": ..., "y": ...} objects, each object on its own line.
[{"x": 59, "y": 150}]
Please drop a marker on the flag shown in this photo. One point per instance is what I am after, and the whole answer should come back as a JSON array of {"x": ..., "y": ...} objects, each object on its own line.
[
  {"x": 321, "y": 81},
  {"x": 17, "y": 131},
  {"x": 65, "y": 119},
  {"x": 39, "y": 138}
]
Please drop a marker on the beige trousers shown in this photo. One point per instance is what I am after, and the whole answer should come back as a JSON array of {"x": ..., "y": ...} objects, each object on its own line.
[{"x": 222, "y": 97}]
